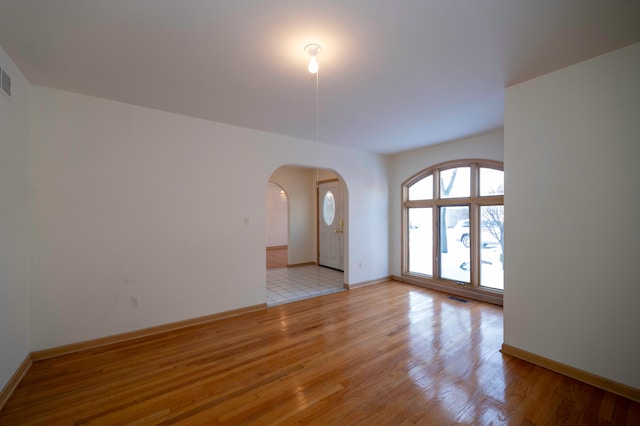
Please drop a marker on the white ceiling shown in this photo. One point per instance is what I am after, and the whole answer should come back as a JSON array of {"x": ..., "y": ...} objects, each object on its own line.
[{"x": 394, "y": 75}]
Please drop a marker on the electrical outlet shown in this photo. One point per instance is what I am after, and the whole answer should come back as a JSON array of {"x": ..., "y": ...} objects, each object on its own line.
[{"x": 136, "y": 301}]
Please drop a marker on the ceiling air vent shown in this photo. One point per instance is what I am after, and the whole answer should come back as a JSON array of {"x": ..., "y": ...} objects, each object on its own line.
[{"x": 5, "y": 82}]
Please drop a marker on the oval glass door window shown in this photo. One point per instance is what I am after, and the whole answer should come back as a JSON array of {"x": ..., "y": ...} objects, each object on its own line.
[{"x": 328, "y": 208}]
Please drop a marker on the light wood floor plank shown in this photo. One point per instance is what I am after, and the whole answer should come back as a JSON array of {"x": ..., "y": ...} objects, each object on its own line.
[{"x": 389, "y": 353}]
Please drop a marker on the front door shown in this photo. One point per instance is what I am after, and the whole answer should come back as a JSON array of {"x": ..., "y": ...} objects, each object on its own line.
[{"x": 331, "y": 225}]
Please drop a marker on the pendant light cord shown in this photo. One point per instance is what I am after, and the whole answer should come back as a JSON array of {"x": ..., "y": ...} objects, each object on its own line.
[
  {"x": 317, "y": 123},
  {"x": 317, "y": 106}
]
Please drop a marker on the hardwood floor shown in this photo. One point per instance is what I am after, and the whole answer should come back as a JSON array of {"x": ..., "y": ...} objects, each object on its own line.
[
  {"x": 277, "y": 257},
  {"x": 389, "y": 353}
]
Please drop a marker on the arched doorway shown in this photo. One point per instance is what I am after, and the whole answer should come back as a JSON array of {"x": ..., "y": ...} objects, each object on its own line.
[{"x": 302, "y": 277}]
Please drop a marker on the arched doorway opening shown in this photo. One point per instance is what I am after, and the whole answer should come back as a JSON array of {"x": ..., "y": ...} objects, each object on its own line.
[{"x": 303, "y": 276}]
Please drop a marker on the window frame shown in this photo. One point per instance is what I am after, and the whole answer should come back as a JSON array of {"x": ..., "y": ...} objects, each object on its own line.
[{"x": 474, "y": 201}]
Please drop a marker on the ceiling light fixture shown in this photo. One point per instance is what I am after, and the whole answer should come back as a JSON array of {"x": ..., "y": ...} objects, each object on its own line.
[{"x": 313, "y": 50}]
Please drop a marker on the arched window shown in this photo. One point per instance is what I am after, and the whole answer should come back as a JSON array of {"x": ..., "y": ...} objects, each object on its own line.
[{"x": 453, "y": 225}]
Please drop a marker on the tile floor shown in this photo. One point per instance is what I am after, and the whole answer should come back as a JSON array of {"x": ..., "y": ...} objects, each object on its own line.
[{"x": 290, "y": 284}]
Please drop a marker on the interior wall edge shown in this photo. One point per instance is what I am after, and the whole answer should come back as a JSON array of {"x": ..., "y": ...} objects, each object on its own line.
[
  {"x": 574, "y": 373},
  {"x": 14, "y": 381},
  {"x": 145, "y": 332}
]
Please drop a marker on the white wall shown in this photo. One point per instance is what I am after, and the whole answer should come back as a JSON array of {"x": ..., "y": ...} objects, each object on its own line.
[
  {"x": 299, "y": 184},
  {"x": 128, "y": 200},
  {"x": 487, "y": 146},
  {"x": 324, "y": 174},
  {"x": 277, "y": 214},
  {"x": 572, "y": 204},
  {"x": 14, "y": 217}
]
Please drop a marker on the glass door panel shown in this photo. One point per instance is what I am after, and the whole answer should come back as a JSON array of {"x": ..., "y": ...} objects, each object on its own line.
[
  {"x": 492, "y": 247},
  {"x": 455, "y": 234},
  {"x": 421, "y": 241}
]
